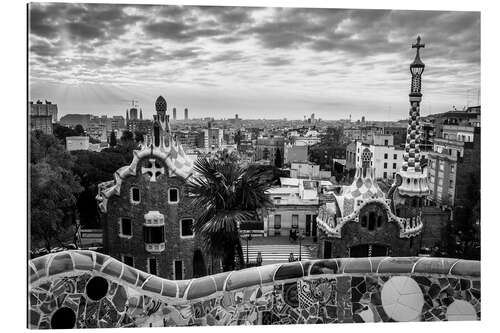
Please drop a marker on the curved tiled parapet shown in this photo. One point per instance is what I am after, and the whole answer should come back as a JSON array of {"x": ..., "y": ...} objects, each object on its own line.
[{"x": 90, "y": 289}]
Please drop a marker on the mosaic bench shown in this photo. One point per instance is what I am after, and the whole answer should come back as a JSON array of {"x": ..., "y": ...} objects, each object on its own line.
[{"x": 86, "y": 289}]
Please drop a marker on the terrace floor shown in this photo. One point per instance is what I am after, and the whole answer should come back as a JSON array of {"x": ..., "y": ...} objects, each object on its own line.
[{"x": 277, "y": 249}]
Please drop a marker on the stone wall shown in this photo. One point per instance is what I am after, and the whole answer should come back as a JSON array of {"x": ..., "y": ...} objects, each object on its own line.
[
  {"x": 354, "y": 234},
  {"x": 153, "y": 198},
  {"x": 78, "y": 289},
  {"x": 435, "y": 223}
]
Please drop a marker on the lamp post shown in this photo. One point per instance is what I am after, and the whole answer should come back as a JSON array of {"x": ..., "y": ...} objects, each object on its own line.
[
  {"x": 300, "y": 237},
  {"x": 248, "y": 238}
]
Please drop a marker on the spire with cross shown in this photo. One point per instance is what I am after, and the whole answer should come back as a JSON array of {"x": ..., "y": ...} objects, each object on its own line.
[
  {"x": 417, "y": 45},
  {"x": 417, "y": 63},
  {"x": 411, "y": 169}
]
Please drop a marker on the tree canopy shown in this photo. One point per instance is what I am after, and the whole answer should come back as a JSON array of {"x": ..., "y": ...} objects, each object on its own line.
[
  {"x": 228, "y": 194},
  {"x": 61, "y": 132},
  {"x": 53, "y": 191},
  {"x": 127, "y": 136},
  {"x": 139, "y": 136},
  {"x": 278, "y": 160},
  {"x": 112, "y": 139},
  {"x": 93, "y": 168}
]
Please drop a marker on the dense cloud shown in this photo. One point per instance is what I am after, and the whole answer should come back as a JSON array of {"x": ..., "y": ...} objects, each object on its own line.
[{"x": 331, "y": 48}]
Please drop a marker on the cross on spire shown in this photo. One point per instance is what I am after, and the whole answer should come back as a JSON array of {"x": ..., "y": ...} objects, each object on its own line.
[{"x": 417, "y": 45}]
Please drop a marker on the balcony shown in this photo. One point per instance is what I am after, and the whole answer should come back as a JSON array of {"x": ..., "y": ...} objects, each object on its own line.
[
  {"x": 155, "y": 247},
  {"x": 154, "y": 232}
]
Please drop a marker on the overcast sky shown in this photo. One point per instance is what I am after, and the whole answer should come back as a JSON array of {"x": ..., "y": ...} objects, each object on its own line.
[{"x": 256, "y": 62}]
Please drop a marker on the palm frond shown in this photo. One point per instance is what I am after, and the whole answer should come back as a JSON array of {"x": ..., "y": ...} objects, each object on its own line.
[{"x": 226, "y": 194}]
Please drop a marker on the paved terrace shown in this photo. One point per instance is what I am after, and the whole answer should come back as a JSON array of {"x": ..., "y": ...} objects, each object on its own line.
[
  {"x": 277, "y": 249},
  {"x": 89, "y": 289}
]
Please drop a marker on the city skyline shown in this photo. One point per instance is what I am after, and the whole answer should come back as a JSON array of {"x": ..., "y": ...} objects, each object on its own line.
[{"x": 256, "y": 62}]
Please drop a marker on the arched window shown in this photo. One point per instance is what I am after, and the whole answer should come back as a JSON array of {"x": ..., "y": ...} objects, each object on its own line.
[
  {"x": 364, "y": 219},
  {"x": 371, "y": 221}
]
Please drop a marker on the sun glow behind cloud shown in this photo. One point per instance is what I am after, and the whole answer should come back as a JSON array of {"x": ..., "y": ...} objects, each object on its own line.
[{"x": 257, "y": 62}]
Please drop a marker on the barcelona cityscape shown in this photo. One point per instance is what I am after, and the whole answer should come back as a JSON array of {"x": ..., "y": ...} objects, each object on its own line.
[{"x": 212, "y": 165}]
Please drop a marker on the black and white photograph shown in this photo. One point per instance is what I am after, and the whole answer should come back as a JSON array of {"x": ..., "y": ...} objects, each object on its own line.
[{"x": 216, "y": 165}]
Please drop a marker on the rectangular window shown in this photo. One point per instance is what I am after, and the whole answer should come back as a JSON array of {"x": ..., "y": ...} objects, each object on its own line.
[
  {"x": 385, "y": 175},
  {"x": 393, "y": 175},
  {"x": 386, "y": 142},
  {"x": 154, "y": 234},
  {"x": 153, "y": 266},
  {"x": 128, "y": 260},
  {"x": 187, "y": 228},
  {"x": 173, "y": 195},
  {"x": 277, "y": 221},
  {"x": 277, "y": 200},
  {"x": 386, "y": 156},
  {"x": 385, "y": 165},
  {"x": 452, "y": 168},
  {"x": 441, "y": 166},
  {"x": 135, "y": 195},
  {"x": 178, "y": 270},
  {"x": 125, "y": 227},
  {"x": 327, "y": 249},
  {"x": 295, "y": 221},
  {"x": 395, "y": 156}
]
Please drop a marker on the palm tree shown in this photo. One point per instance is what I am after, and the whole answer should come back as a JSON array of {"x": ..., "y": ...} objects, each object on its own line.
[{"x": 227, "y": 195}]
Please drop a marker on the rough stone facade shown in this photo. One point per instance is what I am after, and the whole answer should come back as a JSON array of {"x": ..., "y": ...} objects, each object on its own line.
[
  {"x": 153, "y": 197},
  {"x": 141, "y": 194},
  {"x": 356, "y": 238}
]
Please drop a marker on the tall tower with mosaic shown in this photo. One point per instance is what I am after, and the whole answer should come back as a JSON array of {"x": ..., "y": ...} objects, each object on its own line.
[{"x": 410, "y": 187}]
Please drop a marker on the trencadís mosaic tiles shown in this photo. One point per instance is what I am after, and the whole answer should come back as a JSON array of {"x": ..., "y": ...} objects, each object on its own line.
[{"x": 84, "y": 289}]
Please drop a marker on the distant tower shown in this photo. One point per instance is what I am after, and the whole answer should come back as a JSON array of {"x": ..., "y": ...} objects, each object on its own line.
[
  {"x": 363, "y": 119},
  {"x": 140, "y": 114},
  {"x": 161, "y": 108},
  {"x": 133, "y": 113},
  {"x": 161, "y": 127},
  {"x": 126, "y": 118},
  {"x": 186, "y": 114},
  {"x": 411, "y": 187},
  {"x": 236, "y": 116},
  {"x": 174, "y": 114}
]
